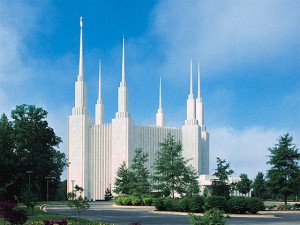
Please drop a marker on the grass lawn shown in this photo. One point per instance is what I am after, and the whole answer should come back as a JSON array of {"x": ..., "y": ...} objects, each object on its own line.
[{"x": 39, "y": 215}]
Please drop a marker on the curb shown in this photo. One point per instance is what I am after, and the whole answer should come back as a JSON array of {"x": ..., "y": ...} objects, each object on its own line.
[{"x": 230, "y": 215}]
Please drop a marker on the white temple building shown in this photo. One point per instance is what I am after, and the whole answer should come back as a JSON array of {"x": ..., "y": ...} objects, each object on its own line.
[{"x": 96, "y": 149}]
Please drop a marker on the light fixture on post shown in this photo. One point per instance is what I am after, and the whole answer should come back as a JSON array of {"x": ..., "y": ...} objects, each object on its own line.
[
  {"x": 47, "y": 178},
  {"x": 29, "y": 172}
]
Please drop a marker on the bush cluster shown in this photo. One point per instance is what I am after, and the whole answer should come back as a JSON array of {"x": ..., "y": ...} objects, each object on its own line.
[
  {"x": 210, "y": 217},
  {"x": 195, "y": 204},
  {"x": 133, "y": 200},
  {"x": 12, "y": 214}
]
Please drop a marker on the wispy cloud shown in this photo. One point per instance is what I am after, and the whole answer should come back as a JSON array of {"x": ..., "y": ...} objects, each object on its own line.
[
  {"x": 224, "y": 34},
  {"x": 246, "y": 150}
]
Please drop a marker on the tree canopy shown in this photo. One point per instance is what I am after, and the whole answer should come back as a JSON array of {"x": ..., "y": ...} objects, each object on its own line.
[
  {"x": 27, "y": 143},
  {"x": 259, "y": 185},
  {"x": 220, "y": 187},
  {"x": 244, "y": 185},
  {"x": 284, "y": 174},
  {"x": 171, "y": 172}
]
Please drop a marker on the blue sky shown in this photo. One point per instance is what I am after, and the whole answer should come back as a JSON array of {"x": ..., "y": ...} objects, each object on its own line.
[{"x": 249, "y": 53}]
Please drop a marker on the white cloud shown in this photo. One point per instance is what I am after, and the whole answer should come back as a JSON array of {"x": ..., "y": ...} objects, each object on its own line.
[
  {"x": 225, "y": 33},
  {"x": 246, "y": 150}
]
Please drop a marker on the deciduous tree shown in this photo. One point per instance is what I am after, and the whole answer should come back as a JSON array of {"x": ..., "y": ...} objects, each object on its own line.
[
  {"x": 220, "y": 186},
  {"x": 244, "y": 185},
  {"x": 29, "y": 144}
]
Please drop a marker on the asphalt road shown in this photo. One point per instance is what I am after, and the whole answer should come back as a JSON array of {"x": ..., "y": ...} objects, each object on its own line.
[{"x": 104, "y": 212}]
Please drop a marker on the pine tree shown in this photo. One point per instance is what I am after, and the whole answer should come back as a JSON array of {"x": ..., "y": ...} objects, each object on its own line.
[
  {"x": 171, "y": 173},
  {"x": 284, "y": 174},
  {"x": 259, "y": 185},
  {"x": 244, "y": 185},
  {"x": 123, "y": 180},
  {"x": 108, "y": 195},
  {"x": 141, "y": 184}
]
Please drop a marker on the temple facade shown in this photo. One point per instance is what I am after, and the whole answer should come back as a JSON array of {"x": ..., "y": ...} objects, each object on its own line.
[{"x": 96, "y": 149}]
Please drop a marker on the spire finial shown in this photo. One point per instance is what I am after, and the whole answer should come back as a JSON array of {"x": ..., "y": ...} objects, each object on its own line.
[
  {"x": 123, "y": 61},
  {"x": 80, "y": 74},
  {"x": 198, "y": 80},
  {"x": 100, "y": 82},
  {"x": 191, "y": 78},
  {"x": 160, "y": 99}
]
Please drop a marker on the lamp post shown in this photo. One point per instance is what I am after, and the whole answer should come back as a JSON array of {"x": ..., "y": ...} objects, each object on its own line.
[
  {"x": 29, "y": 172},
  {"x": 47, "y": 187},
  {"x": 73, "y": 185}
]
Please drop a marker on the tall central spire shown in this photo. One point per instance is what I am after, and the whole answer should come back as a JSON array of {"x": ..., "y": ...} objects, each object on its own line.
[
  {"x": 123, "y": 62},
  {"x": 80, "y": 86},
  {"x": 80, "y": 73}
]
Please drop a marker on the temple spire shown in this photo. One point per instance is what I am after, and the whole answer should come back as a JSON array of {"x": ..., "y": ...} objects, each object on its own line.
[
  {"x": 199, "y": 103},
  {"x": 123, "y": 62},
  {"x": 99, "y": 106},
  {"x": 100, "y": 83},
  {"x": 191, "y": 104},
  {"x": 122, "y": 91},
  {"x": 198, "y": 96},
  {"x": 80, "y": 73},
  {"x": 160, "y": 114},
  {"x": 160, "y": 100},
  {"x": 191, "y": 95}
]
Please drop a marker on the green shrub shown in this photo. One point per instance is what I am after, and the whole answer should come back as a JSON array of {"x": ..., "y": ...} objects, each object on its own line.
[
  {"x": 196, "y": 204},
  {"x": 170, "y": 204},
  {"x": 126, "y": 200},
  {"x": 237, "y": 205},
  {"x": 159, "y": 204},
  {"x": 254, "y": 205},
  {"x": 147, "y": 200},
  {"x": 117, "y": 200},
  {"x": 184, "y": 205},
  {"x": 215, "y": 202},
  {"x": 135, "y": 200},
  {"x": 210, "y": 217}
]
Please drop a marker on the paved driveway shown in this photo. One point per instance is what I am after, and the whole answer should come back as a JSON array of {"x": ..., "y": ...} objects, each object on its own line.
[{"x": 104, "y": 212}]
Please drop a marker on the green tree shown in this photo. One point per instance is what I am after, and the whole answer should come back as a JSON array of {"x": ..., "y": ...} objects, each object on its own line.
[
  {"x": 171, "y": 173},
  {"x": 27, "y": 143},
  {"x": 76, "y": 201},
  {"x": 141, "y": 184},
  {"x": 123, "y": 180},
  {"x": 244, "y": 185},
  {"x": 284, "y": 174},
  {"x": 108, "y": 195},
  {"x": 220, "y": 187},
  {"x": 7, "y": 157},
  {"x": 259, "y": 185}
]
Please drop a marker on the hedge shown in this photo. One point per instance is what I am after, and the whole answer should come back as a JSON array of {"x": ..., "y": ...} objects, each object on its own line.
[{"x": 133, "y": 200}]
